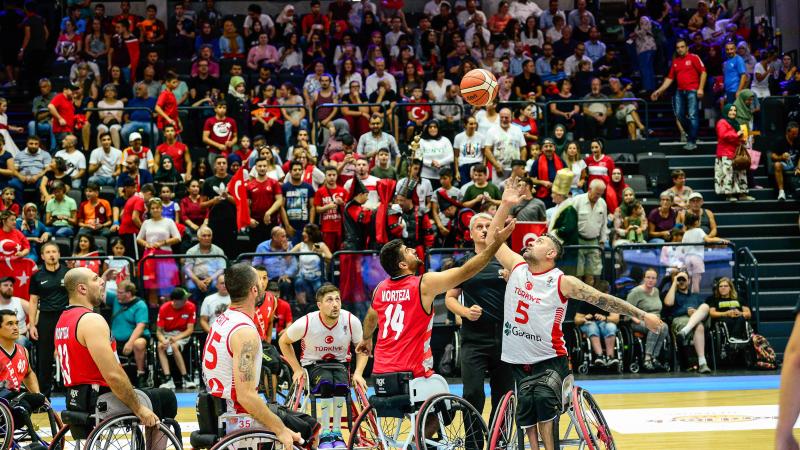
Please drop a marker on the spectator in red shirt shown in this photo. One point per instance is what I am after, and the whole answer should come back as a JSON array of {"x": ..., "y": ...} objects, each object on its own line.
[
  {"x": 192, "y": 212},
  {"x": 129, "y": 214},
  {"x": 176, "y": 150},
  {"x": 345, "y": 160},
  {"x": 125, "y": 14},
  {"x": 152, "y": 30},
  {"x": 690, "y": 73},
  {"x": 12, "y": 241},
  {"x": 219, "y": 133},
  {"x": 94, "y": 213},
  {"x": 266, "y": 199},
  {"x": 175, "y": 326},
  {"x": 315, "y": 20},
  {"x": 417, "y": 115},
  {"x": 63, "y": 112},
  {"x": 167, "y": 104},
  {"x": 329, "y": 201}
]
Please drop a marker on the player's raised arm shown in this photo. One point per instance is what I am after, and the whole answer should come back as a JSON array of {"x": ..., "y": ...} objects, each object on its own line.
[
  {"x": 511, "y": 196},
  {"x": 572, "y": 287}
]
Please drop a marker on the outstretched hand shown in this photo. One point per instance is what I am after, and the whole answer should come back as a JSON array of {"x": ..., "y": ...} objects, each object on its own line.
[
  {"x": 514, "y": 190},
  {"x": 505, "y": 233}
]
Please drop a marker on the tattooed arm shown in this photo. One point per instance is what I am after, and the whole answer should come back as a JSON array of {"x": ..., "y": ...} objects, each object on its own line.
[
  {"x": 572, "y": 287},
  {"x": 246, "y": 347}
]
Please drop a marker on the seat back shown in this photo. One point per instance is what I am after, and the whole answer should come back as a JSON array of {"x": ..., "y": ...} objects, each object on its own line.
[
  {"x": 638, "y": 183},
  {"x": 420, "y": 389},
  {"x": 209, "y": 408}
]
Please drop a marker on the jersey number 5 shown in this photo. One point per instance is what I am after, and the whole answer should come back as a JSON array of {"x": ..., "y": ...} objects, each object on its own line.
[
  {"x": 521, "y": 315},
  {"x": 394, "y": 319},
  {"x": 211, "y": 351}
]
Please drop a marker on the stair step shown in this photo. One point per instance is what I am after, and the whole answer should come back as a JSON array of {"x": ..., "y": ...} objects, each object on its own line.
[
  {"x": 756, "y": 218},
  {"x": 693, "y": 160},
  {"x": 777, "y": 333},
  {"x": 777, "y": 299},
  {"x": 769, "y": 243},
  {"x": 777, "y": 313},
  {"x": 759, "y": 194},
  {"x": 778, "y": 270},
  {"x": 777, "y": 283},
  {"x": 738, "y": 231},
  {"x": 783, "y": 256},
  {"x": 706, "y": 181}
]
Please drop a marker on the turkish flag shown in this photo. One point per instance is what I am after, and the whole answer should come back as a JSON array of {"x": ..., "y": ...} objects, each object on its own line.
[
  {"x": 526, "y": 232},
  {"x": 237, "y": 187},
  {"x": 21, "y": 270}
]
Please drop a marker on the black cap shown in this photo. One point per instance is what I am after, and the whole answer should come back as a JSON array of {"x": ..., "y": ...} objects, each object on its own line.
[
  {"x": 357, "y": 188},
  {"x": 517, "y": 162},
  {"x": 179, "y": 294},
  {"x": 347, "y": 139}
]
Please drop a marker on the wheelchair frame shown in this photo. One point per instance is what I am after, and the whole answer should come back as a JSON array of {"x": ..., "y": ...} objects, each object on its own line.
[
  {"x": 583, "y": 350},
  {"x": 13, "y": 436}
]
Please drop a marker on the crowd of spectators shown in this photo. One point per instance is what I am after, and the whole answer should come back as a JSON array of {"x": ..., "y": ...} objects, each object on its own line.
[{"x": 135, "y": 148}]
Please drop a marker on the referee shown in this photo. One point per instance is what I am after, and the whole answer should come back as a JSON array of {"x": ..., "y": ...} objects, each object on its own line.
[
  {"x": 482, "y": 331},
  {"x": 48, "y": 300}
]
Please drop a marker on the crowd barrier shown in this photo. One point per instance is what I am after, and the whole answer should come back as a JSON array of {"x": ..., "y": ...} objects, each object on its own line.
[
  {"x": 166, "y": 271},
  {"x": 357, "y": 273},
  {"x": 153, "y": 138},
  {"x": 746, "y": 273}
]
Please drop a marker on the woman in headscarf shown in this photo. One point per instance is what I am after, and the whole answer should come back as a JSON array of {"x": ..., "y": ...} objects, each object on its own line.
[
  {"x": 234, "y": 163},
  {"x": 167, "y": 175},
  {"x": 560, "y": 138},
  {"x": 231, "y": 44},
  {"x": 727, "y": 181},
  {"x": 746, "y": 105},
  {"x": 626, "y": 209},
  {"x": 287, "y": 21},
  {"x": 238, "y": 105},
  {"x": 618, "y": 186},
  {"x": 743, "y": 50}
]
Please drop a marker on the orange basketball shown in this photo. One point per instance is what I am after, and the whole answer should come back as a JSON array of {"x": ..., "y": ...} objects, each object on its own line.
[{"x": 479, "y": 87}]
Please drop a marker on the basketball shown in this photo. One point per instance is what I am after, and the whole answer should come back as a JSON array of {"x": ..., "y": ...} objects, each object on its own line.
[{"x": 479, "y": 87}]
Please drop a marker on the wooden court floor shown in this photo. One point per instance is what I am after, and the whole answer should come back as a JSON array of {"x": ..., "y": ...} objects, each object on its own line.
[{"x": 649, "y": 439}]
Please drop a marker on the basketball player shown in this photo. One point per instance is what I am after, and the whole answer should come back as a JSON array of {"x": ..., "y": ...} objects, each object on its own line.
[
  {"x": 326, "y": 337},
  {"x": 15, "y": 369},
  {"x": 232, "y": 355},
  {"x": 402, "y": 306},
  {"x": 535, "y": 304},
  {"x": 87, "y": 353},
  {"x": 264, "y": 315}
]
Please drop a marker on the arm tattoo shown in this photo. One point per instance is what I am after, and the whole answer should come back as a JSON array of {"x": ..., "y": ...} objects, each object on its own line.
[
  {"x": 606, "y": 302},
  {"x": 247, "y": 361}
]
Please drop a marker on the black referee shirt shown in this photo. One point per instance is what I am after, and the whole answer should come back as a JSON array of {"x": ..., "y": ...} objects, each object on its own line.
[
  {"x": 486, "y": 289},
  {"x": 49, "y": 287}
]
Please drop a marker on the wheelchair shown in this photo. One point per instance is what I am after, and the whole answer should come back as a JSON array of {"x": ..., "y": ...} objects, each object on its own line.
[
  {"x": 634, "y": 350},
  {"x": 726, "y": 349},
  {"x": 582, "y": 353},
  {"x": 218, "y": 429},
  {"x": 32, "y": 432},
  {"x": 301, "y": 398},
  {"x": 425, "y": 416},
  {"x": 587, "y": 428}
]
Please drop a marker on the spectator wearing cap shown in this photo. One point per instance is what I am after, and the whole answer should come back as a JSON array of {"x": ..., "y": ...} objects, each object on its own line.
[
  {"x": 544, "y": 169},
  {"x": 61, "y": 212},
  {"x": 530, "y": 209},
  {"x": 20, "y": 306},
  {"x": 33, "y": 229},
  {"x": 143, "y": 153},
  {"x": 708, "y": 223},
  {"x": 174, "y": 328},
  {"x": 136, "y": 118},
  {"x": 129, "y": 326}
]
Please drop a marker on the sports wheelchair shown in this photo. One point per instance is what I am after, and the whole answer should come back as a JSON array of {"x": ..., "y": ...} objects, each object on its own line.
[
  {"x": 417, "y": 413},
  {"x": 582, "y": 353},
  {"x": 587, "y": 429},
  {"x": 633, "y": 354},
  {"x": 727, "y": 349},
  {"x": 219, "y": 429},
  {"x": 19, "y": 430}
]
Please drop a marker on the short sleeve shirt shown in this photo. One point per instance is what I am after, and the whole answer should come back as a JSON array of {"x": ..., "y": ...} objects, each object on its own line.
[{"x": 171, "y": 319}]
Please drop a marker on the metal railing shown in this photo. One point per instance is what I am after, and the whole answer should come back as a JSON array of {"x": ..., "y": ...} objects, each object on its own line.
[
  {"x": 746, "y": 271},
  {"x": 645, "y": 116},
  {"x": 129, "y": 109},
  {"x": 102, "y": 259},
  {"x": 178, "y": 259},
  {"x": 323, "y": 265}
]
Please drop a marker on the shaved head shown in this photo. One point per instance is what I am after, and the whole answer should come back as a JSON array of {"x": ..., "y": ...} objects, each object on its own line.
[
  {"x": 84, "y": 287},
  {"x": 76, "y": 276}
]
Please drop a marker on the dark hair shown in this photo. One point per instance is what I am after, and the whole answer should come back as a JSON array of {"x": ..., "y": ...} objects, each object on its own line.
[
  {"x": 89, "y": 237},
  {"x": 325, "y": 290},
  {"x": 331, "y": 168},
  {"x": 690, "y": 219},
  {"x": 295, "y": 163},
  {"x": 92, "y": 187},
  {"x": 391, "y": 257},
  {"x": 260, "y": 268},
  {"x": 241, "y": 278},
  {"x": 113, "y": 243},
  {"x": 149, "y": 187},
  {"x": 792, "y": 125},
  {"x": 313, "y": 232},
  {"x": 254, "y": 8},
  {"x": 6, "y": 312},
  {"x": 170, "y": 75},
  {"x": 677, "y": 173},
  {"x": 32, "y": 138},
  {"x": 49, "y": 244},
  {"x": 479, "y": 168},
  {"x": 602, "y": 286}
]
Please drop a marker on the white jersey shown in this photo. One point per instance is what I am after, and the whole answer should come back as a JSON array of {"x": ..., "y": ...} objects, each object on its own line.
[
  {"x": 218, "y": 356},
  {"x": 534, "y": 309},
  {"x": 320, "y": 343}
]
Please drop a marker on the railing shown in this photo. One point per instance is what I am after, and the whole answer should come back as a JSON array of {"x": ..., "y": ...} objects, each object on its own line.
[
  {"x": 718, "y": 260},
  {"x": 546, "y": 112},
  {"x": 747, "y": 273},
  {"x": 357, "y": 273},
  {"x": 102, "y": 259},
  {"x": 164, "y": 276},
  {"x": 128, "y": 109},
  {"x": 251, "y": 257}
]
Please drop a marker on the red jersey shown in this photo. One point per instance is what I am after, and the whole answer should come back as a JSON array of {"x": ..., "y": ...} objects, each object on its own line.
[
  {"x": 686, "y": 70},
  {"x": 169, "y": 104},
  {"x": 599, "y": 169},
  {"x": 264, "y": 315},
  {"x": 177, "y": 152},
  {"x": 126, "y": 225},
  {"x": 262, "y": 196},
  {"x": 404, "y": 328},
  {"x": 76, "y": 362},
  {"x": 171, "y": 319},
  {"x": 66, "y": 110},
  {"x": 418, "y": 112},
  {"x": 331, "y": 220},
  {"x": 13, "y": 367},
  {"x": 283, "y": 316},
  {"x": 12, "y": 242},
  {"x": 219, "y": 131}
]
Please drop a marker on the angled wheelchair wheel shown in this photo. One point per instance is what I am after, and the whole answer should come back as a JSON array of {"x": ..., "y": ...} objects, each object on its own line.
[
  {"x": 592, "y": 425},
  {"x": 449, "y": 421},
  {"x": 503, "y": 427},
  {"x": 126, "y": 431},
  {"x": 284, "y": 388},
  {"x": 62, "y": 440},
  {"x": 6, "y": 426},
  {"x": 365, "y": 434},
  {"x": 297, "y": 395},
  {"x": 41, "y": 430},
  {"x": 254, "y": 439}
]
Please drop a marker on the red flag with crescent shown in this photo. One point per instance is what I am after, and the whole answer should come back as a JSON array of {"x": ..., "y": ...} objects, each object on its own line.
[
  {"x": 526, "y": 232},
  {"x": 237, "y": 187},
  {"x": 21, "y": 270}
]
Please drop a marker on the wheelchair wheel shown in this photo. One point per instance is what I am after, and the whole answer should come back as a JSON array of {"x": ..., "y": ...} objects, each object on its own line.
[
  {"x": 6, "y": 427},
  {"x": 449, "y": 421},
  {"x": 503, "y": 428},
  {"x": 297, "y": 395},
  {"x": 283, "y": 389},
  {"x": 592, "y": 425},
  {"x": 248, "y": 440},
  {"x": 125, "y": 431},
  {"x": 63, "y": 441},
  {"x": 365, "y": 434}
]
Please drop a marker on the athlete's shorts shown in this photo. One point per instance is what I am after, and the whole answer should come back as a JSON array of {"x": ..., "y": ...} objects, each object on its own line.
[
  {"x": 329, "y": 379},
  {"x": 538, "y": 402}
]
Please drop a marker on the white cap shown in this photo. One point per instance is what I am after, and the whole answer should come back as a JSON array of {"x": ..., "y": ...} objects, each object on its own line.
[{"x": 134, "y": 136}]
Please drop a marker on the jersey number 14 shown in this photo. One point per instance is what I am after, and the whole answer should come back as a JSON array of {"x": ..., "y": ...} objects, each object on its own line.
[{"x": 394, "y": 319}]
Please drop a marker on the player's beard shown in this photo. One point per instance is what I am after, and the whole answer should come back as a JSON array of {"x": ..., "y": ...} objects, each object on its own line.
[
  {"x": 96, "y": 298},
  {"x": 529, "y": 256},
  {"x": 413, "y": 265}
]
